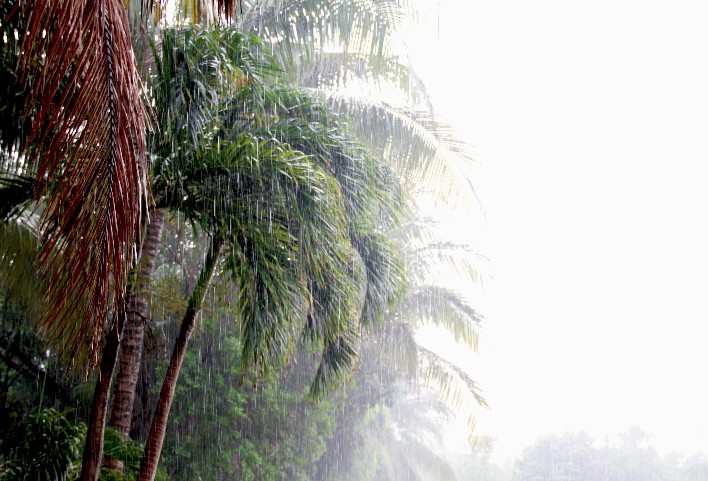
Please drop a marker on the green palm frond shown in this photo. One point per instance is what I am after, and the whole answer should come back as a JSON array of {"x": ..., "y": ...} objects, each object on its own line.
[
  {"x": 448, "y": 380},
  {"x": 423, "y": 156},
  {"x": 49, "y": 449},
  {"x": 339, "y": 357},
  {"x": 371, "y": 194},
  {"x": 371, "y": 191},
  {"x": 445, "y": 307},
  {"x": 386, "y": 277},
  {"x": 371, "y": 199},
  {"x": 284, "y": 218},
  {"x": 303, "y": 27},
  {"x": 121, "y": 447},
  {"x": 196, "y": 70},
  {"x": 301, "y": 204}
]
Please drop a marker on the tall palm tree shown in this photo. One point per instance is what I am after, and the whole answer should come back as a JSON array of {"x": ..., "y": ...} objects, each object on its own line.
[
  {"x": 77, "y": 123},
  {"x": 284, "y": 220},
  {"x": 194, "y": 70},
  {"x": 179, "y": 176},
  {"x": 349, "y": 53}
]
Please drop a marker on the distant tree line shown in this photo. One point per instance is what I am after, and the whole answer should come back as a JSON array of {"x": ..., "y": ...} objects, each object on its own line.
[{"x": 576, "y": 456}]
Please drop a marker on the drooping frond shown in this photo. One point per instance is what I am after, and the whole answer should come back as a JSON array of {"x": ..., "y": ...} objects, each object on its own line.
[
  {"x": 304, "y": 27},
  {"x": 290, "y": 255},
  {"x": 76, "y": 71},
  {"x": 372, "y": 196},
  {"x": 431, "y": 252},
  {"x": 392, "y": 347},
  {"x": 420, "y": 148},
  {"x": 278, "y": 173},
  {"x": 339, "y": 357},
  {"x": 461, "y": 258},
  {"x": 386, "y": 277},
  {"x": 445, "y": 307},
  {"x": 449, "y": 380}
]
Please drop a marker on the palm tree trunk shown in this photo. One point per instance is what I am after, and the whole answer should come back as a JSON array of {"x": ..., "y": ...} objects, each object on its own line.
[
  {"x": 156, "y": 436},
  {"x": 93, "y": 447},
  {"x": 131, "y": 350}
]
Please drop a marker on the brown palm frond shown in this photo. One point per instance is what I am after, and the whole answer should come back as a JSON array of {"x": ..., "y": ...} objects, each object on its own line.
[
  {"x": 87, "y": 145},
  {"x": 199, "y": 11}
]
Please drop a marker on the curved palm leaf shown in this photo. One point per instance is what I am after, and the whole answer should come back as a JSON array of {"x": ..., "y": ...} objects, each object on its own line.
[
  {"x": 425, "y": 151},
  {"x": 196, "y": 70},
  {"x": 421, "y": 148},
  {"x": 443, "y": 307},
  {"x": 89, "y": 161},
  {"x": 295, "y": 197},
  {"x": 458, "y": 256},
  {"x": 447, "y": 378},
  {"x": 307, "y": 26},
  {"x": 372, "y": 197},
  {"x": 284, "y": 219}
]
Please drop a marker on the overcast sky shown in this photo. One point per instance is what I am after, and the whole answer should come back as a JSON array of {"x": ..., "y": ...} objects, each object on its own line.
[{"x": 590, "y": 125}]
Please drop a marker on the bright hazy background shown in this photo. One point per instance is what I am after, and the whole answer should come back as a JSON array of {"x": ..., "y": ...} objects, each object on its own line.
[{"x": 590, "y": 126}]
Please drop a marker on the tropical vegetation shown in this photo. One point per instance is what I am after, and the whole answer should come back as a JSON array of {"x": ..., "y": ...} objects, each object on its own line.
[{"x": 224, "y": 193}]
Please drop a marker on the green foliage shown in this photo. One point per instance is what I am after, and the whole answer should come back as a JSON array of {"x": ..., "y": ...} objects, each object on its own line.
[
  {"x": 125, "y": 450},
  {"x": 221, "y": 428},
  {"x": 301, "y": 205},
  {"x": 235, "y": 142},
  {"x": 46, "y": 447}
]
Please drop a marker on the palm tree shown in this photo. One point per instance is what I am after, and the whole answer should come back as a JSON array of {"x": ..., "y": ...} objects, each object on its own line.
[
  {"x": 297, "y": 272},
  {"x": 194, "y": 70},
  {"x": 348, "y": 53},
  {"x": 336, "y": 347},
  {"x": 77, "y": 123},
  {"x": 179, "y": 177}
]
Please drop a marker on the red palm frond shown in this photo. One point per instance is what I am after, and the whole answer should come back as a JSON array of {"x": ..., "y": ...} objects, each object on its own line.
[
  {"x": 224, "y": 9},
  {"x": 88, "y": 147}
]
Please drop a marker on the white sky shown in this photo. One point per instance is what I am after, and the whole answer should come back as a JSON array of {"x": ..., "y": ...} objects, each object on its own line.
[{"x": 590, "y": 121}]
